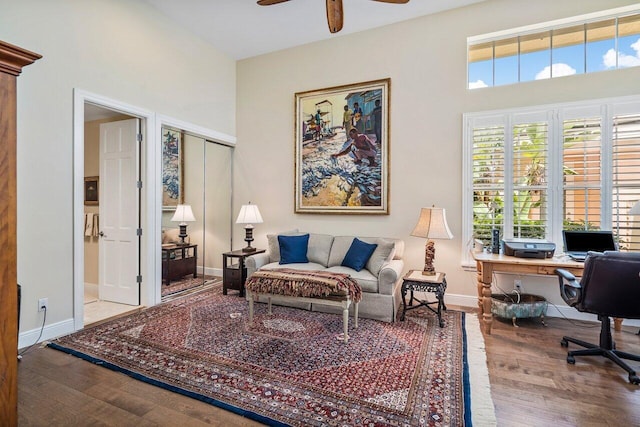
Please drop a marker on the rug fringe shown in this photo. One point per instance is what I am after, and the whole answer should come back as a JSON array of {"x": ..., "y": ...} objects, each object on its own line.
[{"x": 483, "y": 412}]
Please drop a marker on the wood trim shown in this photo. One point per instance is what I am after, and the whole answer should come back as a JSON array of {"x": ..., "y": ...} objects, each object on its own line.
[{"x": 12, "y": 59}]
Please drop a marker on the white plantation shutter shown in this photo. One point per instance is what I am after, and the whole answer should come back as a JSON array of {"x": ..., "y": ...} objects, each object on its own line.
[
  {"x": 581, "y": 164},
  {"x": 530, "y": 192},
  {"x": 532, "y": 172},
  {"x": 488, "y": 165},
  {"x": 626, "y": 179}
]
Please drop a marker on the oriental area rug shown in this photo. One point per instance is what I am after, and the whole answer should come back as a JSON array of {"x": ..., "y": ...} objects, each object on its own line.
[
  {"x": 291, "y": 368},
  {"x": 187, "y": 283}
]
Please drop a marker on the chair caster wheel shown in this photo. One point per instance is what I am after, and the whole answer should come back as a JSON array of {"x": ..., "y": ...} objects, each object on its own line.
[
  {"x": 634, "y": 379},
  {"x": 571, "y": 360},
  {"x": 564, "y": 343}
]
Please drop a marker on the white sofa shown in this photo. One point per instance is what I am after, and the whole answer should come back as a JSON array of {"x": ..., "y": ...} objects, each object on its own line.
[{"x": 380, "y": 280}]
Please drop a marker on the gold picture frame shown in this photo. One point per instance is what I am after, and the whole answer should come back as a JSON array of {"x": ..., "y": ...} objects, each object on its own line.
[{"x": 342, "y": 149}]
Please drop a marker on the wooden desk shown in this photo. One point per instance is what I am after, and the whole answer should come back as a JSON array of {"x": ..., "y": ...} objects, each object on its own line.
[{"x": 487, "y": 264}]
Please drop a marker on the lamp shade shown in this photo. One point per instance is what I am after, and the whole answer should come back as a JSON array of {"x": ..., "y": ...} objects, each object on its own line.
[
  {"x": 249, "y": 214},
  {"x": 183, "y": 214},
  {"x": 432, "y": 224},
  {"x": 635, "y": 210}
]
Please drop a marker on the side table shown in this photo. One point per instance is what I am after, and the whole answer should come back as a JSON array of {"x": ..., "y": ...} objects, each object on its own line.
[
  {"x": 178, "y": 260},
  {"x": 234, "y": 273},
  {"x": 415, "y": 281}
]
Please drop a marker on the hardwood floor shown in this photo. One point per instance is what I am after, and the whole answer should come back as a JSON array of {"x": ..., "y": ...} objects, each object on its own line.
[{"x": 531, "y": 383}]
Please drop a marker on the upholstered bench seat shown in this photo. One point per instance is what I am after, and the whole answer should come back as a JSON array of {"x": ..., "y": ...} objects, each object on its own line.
[{"x": 313, "y": 287}]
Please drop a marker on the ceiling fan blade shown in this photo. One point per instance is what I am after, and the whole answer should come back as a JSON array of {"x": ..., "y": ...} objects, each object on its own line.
[
  {"x": 270, "y": 2},
  {"x": 334, "y": 15},
  {"x": 393, "y": 1}
]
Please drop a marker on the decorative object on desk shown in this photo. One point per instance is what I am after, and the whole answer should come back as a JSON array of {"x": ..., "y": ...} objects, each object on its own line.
[
  {"x": 432, "y": 224},
  {"x": 183, "y": 215},
  {"x": 91, "y": 190},
  {"x": 172, "y": 169},
  {"x": 249, "y": 215},
  {"x": 342, "y": 167}
]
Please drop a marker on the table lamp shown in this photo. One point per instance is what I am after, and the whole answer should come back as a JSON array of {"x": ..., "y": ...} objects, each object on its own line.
[
  {"x": 249, "y": 215},
  {"x": 432, "y": 224},
  {"x": 183, "y": 215}
]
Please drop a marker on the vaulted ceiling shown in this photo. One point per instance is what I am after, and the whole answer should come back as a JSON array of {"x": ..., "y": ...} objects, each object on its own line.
[{"x": 243, "y": 29}]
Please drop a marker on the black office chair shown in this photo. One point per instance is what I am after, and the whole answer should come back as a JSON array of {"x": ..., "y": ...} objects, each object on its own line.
[{"x": 610, "y": 287}]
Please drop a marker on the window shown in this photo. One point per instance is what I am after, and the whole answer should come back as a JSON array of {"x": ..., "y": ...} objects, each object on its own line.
[
  {"x": 533, "y": 172},
  {"x": 577, "y": 46}
]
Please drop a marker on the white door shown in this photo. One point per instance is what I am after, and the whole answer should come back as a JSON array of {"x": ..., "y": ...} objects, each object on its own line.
[{"x": 119, "y": 207}]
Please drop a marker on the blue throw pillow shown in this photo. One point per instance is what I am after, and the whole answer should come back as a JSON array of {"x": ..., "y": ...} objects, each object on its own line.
[
  {"x": 358, "y": 254},
  {"x": 293, "y": 249}
]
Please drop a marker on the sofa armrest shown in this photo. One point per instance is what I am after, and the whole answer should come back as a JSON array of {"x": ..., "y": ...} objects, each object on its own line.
[
  {"x": 254, "y": 262},
  {"x": 389, "y": 275}
]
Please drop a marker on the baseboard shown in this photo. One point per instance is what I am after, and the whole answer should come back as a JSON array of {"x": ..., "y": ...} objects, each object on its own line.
[
  {"x": 210, "y": 271},
  {"x": 552, "y": 310},
  {"x": 54, "y": 330}
]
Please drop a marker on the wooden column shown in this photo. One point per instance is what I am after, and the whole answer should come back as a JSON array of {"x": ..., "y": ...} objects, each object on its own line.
[{"x": 12, "y": 60}]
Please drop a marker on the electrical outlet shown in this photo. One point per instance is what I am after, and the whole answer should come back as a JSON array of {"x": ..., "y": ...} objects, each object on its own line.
[
  {"x": 43, "y": 303},
  {"x": 517, "y": 285}
]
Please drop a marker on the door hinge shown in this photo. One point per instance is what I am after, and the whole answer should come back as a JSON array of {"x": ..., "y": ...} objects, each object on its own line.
[
  {"x": 139, "y": 185},
  {"x": 139, "y": 137},
  {"x": 139, "y": 279},
  {"x": 139, "y": 232}
]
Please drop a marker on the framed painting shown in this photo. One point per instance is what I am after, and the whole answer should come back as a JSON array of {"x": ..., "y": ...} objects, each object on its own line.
[
  {"x": 342, "y": 149},
  {"x": 172, "y": 169},
  {"x": 91, "y": 196}
]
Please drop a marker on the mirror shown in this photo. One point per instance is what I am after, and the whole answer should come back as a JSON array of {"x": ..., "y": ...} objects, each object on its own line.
[{"x": 196, "y": 174}]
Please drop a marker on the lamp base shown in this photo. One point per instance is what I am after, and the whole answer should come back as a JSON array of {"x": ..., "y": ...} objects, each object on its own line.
[
  {"x": 429, "y": 255},
  {"x": 248, "y": 238},
  {"x": 183, "y": 233}
]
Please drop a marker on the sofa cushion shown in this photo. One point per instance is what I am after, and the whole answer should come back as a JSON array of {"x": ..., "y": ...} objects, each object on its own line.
[
  {"x": 274, "y": 246},
  {"x": 172, "y": 236},
  {"x": 293, "y": 249},
  {"x": 358, "y": 254},
  {"x": 387, "y": 250},
  {"x": 341, "y": 245},
  {"x": 319, "y": 248},
  {"x": 317, "y": 251},
  {"x": 367, "y": 281},
  {"x": 308, "y": 266}
]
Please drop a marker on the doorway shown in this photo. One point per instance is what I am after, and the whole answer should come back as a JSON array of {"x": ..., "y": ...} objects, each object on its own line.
[{"x": 111, "y": 217}]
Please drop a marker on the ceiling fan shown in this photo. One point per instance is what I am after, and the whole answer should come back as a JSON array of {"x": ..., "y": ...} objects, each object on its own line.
[{"x": 334, "y": 11}]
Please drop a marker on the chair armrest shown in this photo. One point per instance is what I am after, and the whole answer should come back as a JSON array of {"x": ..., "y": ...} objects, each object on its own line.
[
  {"x": 254, "y": 262},
  {"x": 389, "y": 275},
  {"x": 570, "y": 289}
]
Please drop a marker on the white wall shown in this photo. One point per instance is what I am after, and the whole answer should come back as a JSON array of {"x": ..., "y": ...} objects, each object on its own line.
[
  {"x": 119, "y": 49},
  {"x": 426, "y": 61}
]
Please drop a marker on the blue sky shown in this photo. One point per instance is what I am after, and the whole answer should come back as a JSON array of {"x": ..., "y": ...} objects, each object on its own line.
[{"x": 568, "y": 60}]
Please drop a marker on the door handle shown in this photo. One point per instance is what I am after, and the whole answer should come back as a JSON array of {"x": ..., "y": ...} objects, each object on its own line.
[{"x": 101, "y": 234}]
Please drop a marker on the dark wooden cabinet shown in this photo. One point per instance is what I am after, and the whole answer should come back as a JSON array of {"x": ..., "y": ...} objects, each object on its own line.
[
  {"x": 234, "y": 272},
  {"x": 179, "y": 261},
  {"x": 12, "y": 60}
]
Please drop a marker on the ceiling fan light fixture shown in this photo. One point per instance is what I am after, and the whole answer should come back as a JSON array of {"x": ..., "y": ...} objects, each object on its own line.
[{"x": 335, "y": 13}]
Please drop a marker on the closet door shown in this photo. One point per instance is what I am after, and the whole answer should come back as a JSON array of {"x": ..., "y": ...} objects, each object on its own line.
[{"x": 12, "y": 59}]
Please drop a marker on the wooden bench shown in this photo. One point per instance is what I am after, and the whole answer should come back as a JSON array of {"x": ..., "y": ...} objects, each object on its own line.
[{"x": 263, "y": 287}]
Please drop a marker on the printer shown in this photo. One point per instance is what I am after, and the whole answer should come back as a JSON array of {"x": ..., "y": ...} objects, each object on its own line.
[{"x": 529, "y": 248}]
